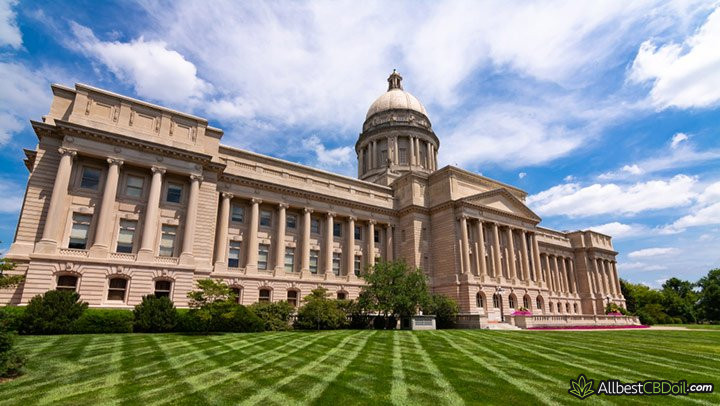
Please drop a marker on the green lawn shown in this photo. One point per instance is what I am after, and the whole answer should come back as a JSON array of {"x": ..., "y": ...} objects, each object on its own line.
[
  {"x": 694, "y": 326},
  {"x": 357, "y": 367}
]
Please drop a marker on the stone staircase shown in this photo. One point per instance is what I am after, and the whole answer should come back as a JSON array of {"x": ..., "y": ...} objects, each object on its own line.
[{"x": 500, "y": 326}]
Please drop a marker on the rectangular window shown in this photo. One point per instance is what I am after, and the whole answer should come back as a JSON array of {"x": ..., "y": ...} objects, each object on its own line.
[
  {"x": 134, "y": 186},
  {"x": 90, "y": 178},
  {"x": 291, "y": 222},
  {"x": 265, "y": 218},
  {"x": 263, "y": 250},
  {"x": 315, "y": 226},
  {"x": 238, "y": 213},
  {"x": 337, "y": 229},
  {"x": 264, "y": 295},
  {"x": 126, "y": 236},
  {"x": 167, "y": 240},
  {"x": 162, "y": 288},
  {"x": 377, "y": 236},
  {"x": 234, "y": 254},
  {"x": 174, "y": 193},
  {"x": 314, "y": 254},
  {"x": 117, "y": 288},
  {"x": 357, "y": 264},
  {"x": 289, "y": 259},
  {"x": 383, "y": 157},
  {"x": 402, "y": 155},
  {"x": 336, "y": 263},
  {"x": 358, "y": 233},
  {"x": 79, "y": 232},
  {"x": 292, "y": 298}
]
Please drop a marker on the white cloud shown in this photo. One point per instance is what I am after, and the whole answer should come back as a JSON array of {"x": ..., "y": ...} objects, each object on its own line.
[
  {"x": 633, "y": 169},
  {"x": 574, "y": 200},
  {"x": 522, "y": 175},
  {"x": 569, "y": 178},
  {"x": 683, "y": 75},
  {"x": 652, "y": 252},
  {"x": 12, "y": 197},
  {"x": 9, "y": 32},
  {"x": 334, "y": 158},
  {"x": 619, "y": 230},
  {"x": 677, "y": 139},
  {"x": 705, "y": 212},
  {"x": 155, "y": 71},
  {"x": 24, "y": 94}
]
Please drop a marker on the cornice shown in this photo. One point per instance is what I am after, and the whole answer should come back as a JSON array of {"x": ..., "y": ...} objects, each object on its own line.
[{"x": 462, "y": 174}]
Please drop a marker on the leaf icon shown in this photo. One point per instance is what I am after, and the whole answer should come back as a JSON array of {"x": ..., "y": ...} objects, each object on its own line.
[{"x": 581, "y": 388}]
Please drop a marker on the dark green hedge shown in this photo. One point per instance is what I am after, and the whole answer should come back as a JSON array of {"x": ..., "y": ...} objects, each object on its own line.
[
  {"x": 11, "y": 317},
  {"x": 102, "y": 321}
]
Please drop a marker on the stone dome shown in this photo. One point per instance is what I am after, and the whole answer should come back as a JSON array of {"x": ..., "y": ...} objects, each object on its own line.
[{"x": 395, "y": 98}]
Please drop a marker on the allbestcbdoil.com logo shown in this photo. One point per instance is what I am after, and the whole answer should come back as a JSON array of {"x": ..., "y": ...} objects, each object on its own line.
[{"x": 582, "y": 388}]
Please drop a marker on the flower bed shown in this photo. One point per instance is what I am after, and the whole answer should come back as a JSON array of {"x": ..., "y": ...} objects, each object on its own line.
[
  {"x": 522, "y": 313},
  {"x": 586, "y": 327},
  {"x": 616, "y": 314}
]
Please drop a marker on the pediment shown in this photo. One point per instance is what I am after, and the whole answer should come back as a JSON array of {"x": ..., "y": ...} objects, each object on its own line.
[{"x": 502, "y": 200}]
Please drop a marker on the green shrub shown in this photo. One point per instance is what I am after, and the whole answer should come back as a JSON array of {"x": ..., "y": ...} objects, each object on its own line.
[
  {"x": 155, "y": 315},
  {"x": 275, "y": 315},
  {"x": 219, "y": 316},
  {"x": 53, "y": 312},
  {"x": 11, "y": 317},
  {"x": 11, "y": 361},
  {"x": 444, "y": 308},
  {"x": 103, "y": 321},
  {"x": 319, "y": 312}
]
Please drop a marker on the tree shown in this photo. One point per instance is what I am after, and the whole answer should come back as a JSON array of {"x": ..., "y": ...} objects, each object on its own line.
[
  {"x": 319, "y": 312},
  {"x": 155, "y": 315},
  {"x": 679, "y": 300},
  {"x": 53, "y": 312},
  {"x": 709, "y": 303},
  {"x": 444, "y": 308},
  {"x": 394, "y": 289},
  {"x": 11, "y": 360},
  {"x": 214, "y": 308},
  {"x": 276, "y": 315},
  {"x": 8, "y": 281},
  {"x": 210, "y": 290}
]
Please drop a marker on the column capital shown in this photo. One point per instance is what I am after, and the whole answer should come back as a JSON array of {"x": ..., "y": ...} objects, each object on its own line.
[
  {"x": 463, "y": 217},
  {"x": 255, "y": 200},
  {"x": 66, "y": 151},
  {"x": 115, "y": 161},
  {"x": 196, "y": 177},
  {"x": 283, "y": 205},
  {"x": 158, "y": 169},
  {"x": 331, "y": 214},
  {"x": 372, "y": 221},
  {"x": 307, "y": 210},
  {"x": 227, "y": 195},
  {"x": 352, "y": 218}
]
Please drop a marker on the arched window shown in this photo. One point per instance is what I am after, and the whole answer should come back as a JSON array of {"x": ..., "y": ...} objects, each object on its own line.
[
  {"x": 575, "y": 308},
  {"x": 567, "y": 307},
  {"x": 341, "y": 295},
  {"x": 163, "y": 288},
  {"x": 117, "y": 288},
  {"x": 479, "y": 302},
  {"x": 511, "y": 301},
  {"x": 538, "y": 302},
  {"x": 264, "y": 295},
  {"x": 496, "y": 301},
  {"x": 236, "y": 293},
  {"x": 292, "y": 297},
  {"x": 67, "y": 282},
  {"x": 526, "y": 302}
]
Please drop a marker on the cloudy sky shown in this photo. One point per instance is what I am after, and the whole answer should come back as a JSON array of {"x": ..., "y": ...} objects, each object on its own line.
[{"x": 606, "y": 112}]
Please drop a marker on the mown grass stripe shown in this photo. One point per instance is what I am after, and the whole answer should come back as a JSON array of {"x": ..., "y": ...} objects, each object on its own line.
[
  {"x": 398, "y": 389},
  {"x": 438, "y": 377}
]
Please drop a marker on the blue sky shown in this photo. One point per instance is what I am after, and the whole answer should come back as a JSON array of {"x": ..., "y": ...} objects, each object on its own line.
[{"x": 606, "y": 112}]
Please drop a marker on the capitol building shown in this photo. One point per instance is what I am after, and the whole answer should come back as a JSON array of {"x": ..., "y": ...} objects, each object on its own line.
[{"x": 126, "y": 198}]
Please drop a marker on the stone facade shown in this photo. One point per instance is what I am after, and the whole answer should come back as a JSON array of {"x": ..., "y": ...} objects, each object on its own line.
[{"x": 126, "y": 198}]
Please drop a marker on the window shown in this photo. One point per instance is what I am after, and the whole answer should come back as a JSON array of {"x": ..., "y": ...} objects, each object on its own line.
[
  {"x": 162, "y": 288},
  {"x": 117, "y": 288},
  {"x": 291, "y": 222},
  {"x": 314, "y": 254},
  {"x": 538, "y": 303},
  {"x": 357, "y": 265},
  {"x": 292, "y": 298},
  {"x": 234, "y": 254},
  {"x": 559, "y": 309},
  {"x": 551, "y": 307},
  {"x": 90, "y": 178},
  {"x": 575, "y": 308},
  {"x": 336, "y": 263},
  {"x": 358, "y": 233},
  {"x": 402, "y": 152},
  {"x": 126, "y": 236},
  {"x": 315, "y": 226},
  {"x": 238, "y": 213},
  {"x": 174, "y": 193},
  {"x": 337, "y": 230},
  {"x": 377, "y": 236},
  {"x": 67, "y": 282},
  {"x": 496, "y": 301},
  {"x": 526, "y": 302},
  {"x": 167, "y": 241},
  {"x": 134, "y": 186},
  {"x": 567, "y": 307},
  {"x": 263, "y": 256},
  {"x": 511, "y": 302},
  {"x": 79, "y": 232},
  {"x": 236, "y": 292},
  {"x": 341, "y": 295},
  {"x": 265, "y": 218},
  {"x": 479, "y": 300},
  {"x": 383, "y": 157},
  {"x": 264, "y": 295},
  {"x": 289, "y": 259}
]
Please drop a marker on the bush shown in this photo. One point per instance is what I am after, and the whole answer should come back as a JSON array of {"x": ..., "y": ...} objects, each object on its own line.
[
  {"x": 445, "y": 310},
  {"x": 103, "y": 321},
  {"x": 321, "y": 313},
  {"x": 219, "y": 316},
  {"x": 276, "y": 316},
  {"x": 11, "y": 318},
  {"x": 155, "y": 315},
  {"x": 53, "y": 312},
  {"x": 11, "y": 361}
]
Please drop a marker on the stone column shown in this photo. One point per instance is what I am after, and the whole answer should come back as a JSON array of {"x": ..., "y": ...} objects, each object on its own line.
[
  {"x": 329, "y": 239},
  {"x": 618, "y": 286},
  {"x": 251, "y": 259},
  {"x": 573, "y": 278},
  {"x": 563, "y": 270},
  {"x": 465, "y": 245},
  {"x": 104, "y": 229},
  {"x": 606, "y": 285},
  {"x": 536, "y": 257},
  {"x": 350, "y": 247},
  {"x": 511, "y": 254},
  {"x": 389, "y": 242},
  {"x": 546, "y": 275},
  {"x": 280, "y": 237},
  {"x": 221, "y": 237},
  {"x": 54, "y": 215},
  {"x": 191, "y": 219},
  {"x": 524, "y": 256},
  {"x": 497, "y": 271},
  {"x": 374, "y": 155},
  {"x": 555, "y": 273},
  {"x": 305, "y": 241},
  {"x": 412, "y": 150},
  {"x": 432, "y": 157},
  {"x": 371, "y": 243},
  {"x": 611, "y": 280},
  {"x": 428, "y": 165},
  {"x": 361, "y": 162},
  {"x": 482, "y": 269},
  {"x": 396, "y": 153},
  {"x": 147, "y": 246}
]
